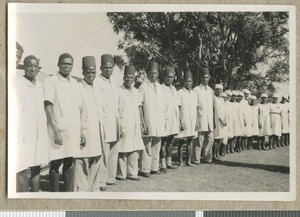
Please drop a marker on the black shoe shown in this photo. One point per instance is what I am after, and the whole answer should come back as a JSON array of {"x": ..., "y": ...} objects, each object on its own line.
[
  {"x": 103, "y": 188},
  {"x": 155, "y": 172},
  {"x": 120, "y": 179},
  {"x": 133, "y": 178},
  {"x": 146, "y": 175},
  {"x": 170, "y": 167},
  {"x": 111, "y": 183},
  {"x": 163, "y": 170}
]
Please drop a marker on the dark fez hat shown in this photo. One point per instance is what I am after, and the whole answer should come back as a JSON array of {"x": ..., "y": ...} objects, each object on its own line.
[
  {"x": 204, "y": 71},
  {"x": 107, "y": 60},
  {"x": 188, "y": 74},
  {"x": 129, "y": 70},
  {"x": 88, "y": 61},
  {"x": 153, "y": 65},
  {"x": 170, "y": 69}
]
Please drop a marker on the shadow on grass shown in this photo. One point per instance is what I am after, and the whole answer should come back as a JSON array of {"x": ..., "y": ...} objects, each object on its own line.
[{"x": 271, "y": 168}]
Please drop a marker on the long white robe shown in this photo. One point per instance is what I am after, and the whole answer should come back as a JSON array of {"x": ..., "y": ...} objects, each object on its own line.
[
  {"x": 285, "y": 121},
  {"x": 230, "y": 131},
  {"x": 32, "y": 137},
  {"x": 275, "y": 114},
  {"x": 247, "y": 118},
  {"x": 236, "y": 119},
  {"x": 220, "y": 114},
  {"x": 155, "y": 108},
  {"x": 187, "y": 100},
  {"x": 206, "y": 100},
  {"x": 65, "y": 95},
  {"x": 130, "y": 122},
  {"x": 109, "y": 98},
  {"x": 264, "y": 119},
  {"x": 254, "y": 116},
  {"x": 91, "y": 121},
  {"x": 172, "y": 119}
]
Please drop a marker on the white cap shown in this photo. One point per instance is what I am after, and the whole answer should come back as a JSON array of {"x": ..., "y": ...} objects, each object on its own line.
[
  {"x": 234, "y": 93},
  {"x": 264, "y": 95},
  {"x": 228, "y": 92},
  {"x": 241, "y": 94},
  {"x": 223, "y": 94},
  {"x": 246, "y": 91},
  {"x": 276, "y": 95},
  {"x": 252, "y": 97},
  {"x": 219, "y": 86}
]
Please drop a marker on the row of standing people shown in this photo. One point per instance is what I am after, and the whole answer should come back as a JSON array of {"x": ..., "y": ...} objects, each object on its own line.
[{"x": 100, "y": 132}]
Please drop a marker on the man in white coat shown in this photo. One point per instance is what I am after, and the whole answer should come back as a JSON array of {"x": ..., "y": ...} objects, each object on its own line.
[
  {"x": 87, "y": 163},
  {"x": 132, "y": 125},
  {"x": 109, "y": 94},
  {"x": 172, "y": 124},
  {"x": 63, "y": 106},
  {"x": 154, "y": 109},
  {"x": 32, "y": 138},
  {"x": 206, "y": 100}
]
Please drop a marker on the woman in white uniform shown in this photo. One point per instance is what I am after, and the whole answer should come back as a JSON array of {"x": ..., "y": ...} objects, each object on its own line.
[
  {"x": 230, "y": 135},
  {"x": 254, "y": 124},
  {"x": 275, "y": 114},
  {"x": 240, "y": 139},
  {"x": 236, "y": 128},
  {"x": 285, "y": 121},
  {"x": 264, "y": 122}
]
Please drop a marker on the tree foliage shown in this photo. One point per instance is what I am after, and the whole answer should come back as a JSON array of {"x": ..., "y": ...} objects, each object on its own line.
[{"x": 231, "y": 44}]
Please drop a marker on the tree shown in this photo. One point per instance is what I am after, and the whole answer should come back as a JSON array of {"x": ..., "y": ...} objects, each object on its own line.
[{"x": 231, "y": 44}]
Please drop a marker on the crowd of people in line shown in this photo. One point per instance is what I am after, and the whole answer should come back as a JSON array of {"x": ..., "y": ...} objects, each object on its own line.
[{"x": 101, "y": 133}]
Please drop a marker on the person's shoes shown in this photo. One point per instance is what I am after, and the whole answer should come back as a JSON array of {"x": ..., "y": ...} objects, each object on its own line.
[
  {"x": 155, "y": 172},
  {"x": 163, "y": 170},
  {"x": 207, "y": 162},
  {"x": 170, "y": 167},
  {"x": 133, "y": 178},
  {"x": 103, "y": 188},
  {"x": 120, "y": 179},
  {"x": 180, "y": 164},
  {"x": 111, "y": 183},
  {"x": 146, "y": 175},
  {"x": 189, "y": 164},
  {"x": 196, "y": 163}
]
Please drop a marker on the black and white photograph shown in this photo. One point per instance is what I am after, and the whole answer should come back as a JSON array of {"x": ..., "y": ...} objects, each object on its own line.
[{"x": 171, "y": 102}]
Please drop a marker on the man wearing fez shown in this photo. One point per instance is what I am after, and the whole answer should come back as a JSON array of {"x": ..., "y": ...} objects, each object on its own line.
[
  {"x": 108, "y": 166},
  {"x": 87, "y": 164},
  {"x": 131, "y": 125},
  {"x": 154, "y": 108},
  {"x": 63, "y": 106},
  {"x": 31, "y": 137},
  {"x": 206, "y": 100},
  {"x": 172, "y": 123}
]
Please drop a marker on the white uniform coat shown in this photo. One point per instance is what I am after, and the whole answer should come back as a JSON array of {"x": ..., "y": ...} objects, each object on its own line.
[
  {"x": 264, "y": 119},
  {"x": 172, "y": 120},
  {"x": 67, "y": 103},
  {"x": 236, "y": 119},
  {"x": 187, "y": 100},
  {"x": 241, "y": 118},
  {"x": 91, "y": 121},
  {"x": 206, "y": 98},
  {"x": 247, "y": 118},
  {"x": 220, "y": 113},
  {"x": 285, "y": 121},
  {"x": 229, "y": 108},
  {"x": 129, "y": 119},
  {"x": 254, "y": 116},
  {"x": 154, "y": 107},
  {"x": 109, "y": 98},
  {"x": 275, "y": 114},
  {"x": 32, "y": 143}
]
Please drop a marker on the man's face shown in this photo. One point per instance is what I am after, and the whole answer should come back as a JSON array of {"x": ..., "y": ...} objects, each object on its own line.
[
  {"x": 107, "y": 71},
  {"x": 128, "y": 80},
  {"x": 233, "y": 98},
  {"x": 89, "y": 74},
  {"x": 205, "y": 79},
  {"x": 153, "y": 75},
  {"x": 65, "y": 66},
  {"x": 275, "y": 99},
  {"x": 218, "y": 91},
  {"x": 188, "y": 83},
  {"x": 31, "y": 68},
  {"x": 169, "y": 78},
  {"x": 263, "y": 99}
]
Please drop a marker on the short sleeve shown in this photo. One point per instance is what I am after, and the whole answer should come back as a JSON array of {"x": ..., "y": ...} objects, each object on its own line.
[{"x": 49, "y": 90}]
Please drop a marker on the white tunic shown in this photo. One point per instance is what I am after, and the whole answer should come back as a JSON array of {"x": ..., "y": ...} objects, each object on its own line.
[
  {"x": 264, "y": 119},
  {"x": 154, "y": 107},
  {"x": 236, "y": 121},
  {"x": 67, "y": 103},
  {"x": 172, "y": 119},
  {"x": 32, "y": 143},
  {"x": 187, "y": 100},
  {"x": 206, "y": 98},
  {"x": 247, "y": 118},
  {"x": 254, "y": 125},
  {"x": 275, "y": 114},
  {"x": 240, "y": 108},
  {"x": 220, "y": 114},
  {"x": 109, "y": 98},
  {"x": 285, "y": 121},
  {"x": 129, "y": 117},
  {"x": 229, "y": 108},
  {"x": 91, "y": 121}
]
